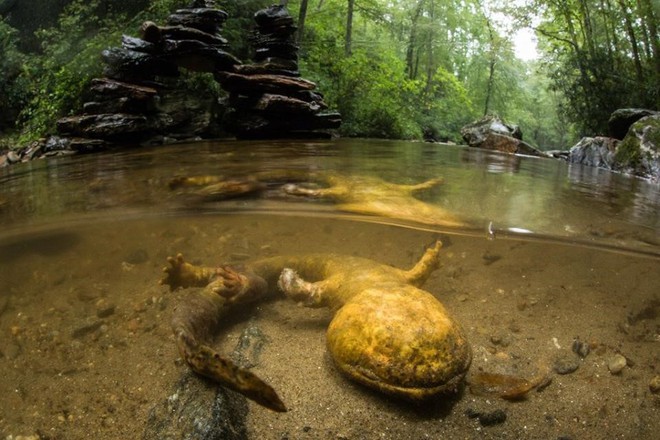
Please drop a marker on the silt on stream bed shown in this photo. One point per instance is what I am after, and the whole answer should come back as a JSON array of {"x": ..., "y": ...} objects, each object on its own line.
[{"x": 87, "y": 349}]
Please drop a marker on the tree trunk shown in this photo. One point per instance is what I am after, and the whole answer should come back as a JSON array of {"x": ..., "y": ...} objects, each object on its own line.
[
  {"x": 349, "y": 28},
  {"x": 633, "y": 42},
  {"x": 301, "y": 21},
  {"x": 651, "y": 21},
  {"x": 412, "y": 41},
  {"x": 491, "y": 67},
  {"x": 430, "y": 66}
]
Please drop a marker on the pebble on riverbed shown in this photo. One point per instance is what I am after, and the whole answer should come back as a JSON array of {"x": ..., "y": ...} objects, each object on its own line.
[
  {"x": 581, "y": 348},
  {"x": 616, "y": 363},
  {"x": 566, "y": 363},
  {"x": 654, "y": 384},
  {"x": 487, "y": 418}
]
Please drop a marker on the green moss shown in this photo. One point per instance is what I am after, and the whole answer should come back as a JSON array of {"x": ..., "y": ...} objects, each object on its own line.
[{"x": 628, "y": 153}]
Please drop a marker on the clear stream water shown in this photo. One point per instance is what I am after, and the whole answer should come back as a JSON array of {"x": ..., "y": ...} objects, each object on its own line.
[{"x": 552, "y": 253}]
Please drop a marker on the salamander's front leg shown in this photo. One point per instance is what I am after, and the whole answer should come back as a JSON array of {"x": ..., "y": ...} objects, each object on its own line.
[
  {"x": 294, "y": 287},
  {"x": 180, "y": 273}
]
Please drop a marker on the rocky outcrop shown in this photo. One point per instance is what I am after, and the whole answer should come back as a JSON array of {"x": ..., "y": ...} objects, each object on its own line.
[
  {"x": 594, "y": 151},
  {"x": 638, "y": 153},
  {"x": 621, "y": 120},
  {"x": 492, "y": 133},
  {"x": 268, "y": 98}
]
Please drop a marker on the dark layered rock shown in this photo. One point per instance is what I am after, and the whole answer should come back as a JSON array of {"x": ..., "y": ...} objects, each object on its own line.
[
  {"x": 110, "y": 126},
  {"x": 133, "y": 102},
  {"x": 207, "y": 20},
  {"x": 262, "y": 83},
  {"x": 621, "y": 120},
  {"x": 154, "y": 34},
  {"x": 269, "y": 98},
  {"x": 492, "y": 133},
  {"x": 138, "y": 101},
  {"x": 133, "y": 66},
  {"x": 251, "y": 125},
  {"x": 197, "y": 409}
]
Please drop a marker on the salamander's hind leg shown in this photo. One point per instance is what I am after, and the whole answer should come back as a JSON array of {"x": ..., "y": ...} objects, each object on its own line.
[{"x": 425, "y": 266}]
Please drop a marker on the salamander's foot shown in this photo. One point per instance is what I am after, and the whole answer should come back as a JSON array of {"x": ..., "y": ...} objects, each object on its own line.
[
  {"x": 235, "y": 286},
  {"x": 180, "y": 273}
]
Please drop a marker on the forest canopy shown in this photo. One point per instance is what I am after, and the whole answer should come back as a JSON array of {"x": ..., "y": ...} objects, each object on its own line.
[{"x": 408, "y": 69}]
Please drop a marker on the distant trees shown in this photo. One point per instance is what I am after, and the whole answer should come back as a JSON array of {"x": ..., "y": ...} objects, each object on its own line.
[
  {"x": 394, "y": 68},
  {"x": 601, "y": 55}
]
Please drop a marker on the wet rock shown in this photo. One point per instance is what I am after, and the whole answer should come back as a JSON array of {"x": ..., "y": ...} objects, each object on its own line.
[
  {"x": 207, "y": 20},
  {"x": 198, "y": 409},
  {"x": 492, "y": 133},
  {"x": 268, "y": 98},
  {"x": 566, "y": 362},
  {"x": 57, "y": 145},
  {"x": 88, "y": 327},
  {"x": 198, "y": 56},
  {"x": 106, "y": 88},
  {"x": 255, "y": 126},
  {"x": 594, "y": 151},
  {"x": 134, "y": 66},
  {"x": 580, "y": 348},
  {"x": 155, "y": 34},
  {"x": 259, "y": 84},
  {"x": 276, "y": 105},
  {"x": 489, "y": 418},
  {"x": 249, "y": 346},
  {"x": 639, "y": 152},
  {"x": 502, "y": 339},
  {"x": 654, "y": 384},
  {"x": 109, "y": 126},
  {"x": 621, "y": 120},
  {"x": 104, "y": 309},
  {"x": 616, "y": 363}
]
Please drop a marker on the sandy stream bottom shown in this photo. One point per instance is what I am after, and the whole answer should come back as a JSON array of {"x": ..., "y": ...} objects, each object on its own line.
[{"x": 86, "y": 348}]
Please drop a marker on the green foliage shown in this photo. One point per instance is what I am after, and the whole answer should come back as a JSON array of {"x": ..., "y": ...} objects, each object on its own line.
[
  {"x": 417, "y": 67},
  {"x": 13, "y": 87},
  {"x": 445, "y": 107},
  {"x": 601, "y": 59},
  {"x": 70, "y": 58}
]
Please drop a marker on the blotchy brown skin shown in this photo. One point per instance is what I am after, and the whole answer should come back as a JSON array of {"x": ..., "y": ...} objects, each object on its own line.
[{"x": 386, "y": 332}]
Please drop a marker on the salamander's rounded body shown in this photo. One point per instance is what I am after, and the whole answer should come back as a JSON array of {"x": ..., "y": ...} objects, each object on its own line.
[{"x": 401, "y": 342}]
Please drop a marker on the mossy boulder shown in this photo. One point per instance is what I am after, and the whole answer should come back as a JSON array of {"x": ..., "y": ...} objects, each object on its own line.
[{"x": 638, "y": 153}]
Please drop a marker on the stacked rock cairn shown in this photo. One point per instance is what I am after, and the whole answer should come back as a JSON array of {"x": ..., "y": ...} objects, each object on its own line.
[
  {"x": 138, "y": 100},
  {"x": 268, "y": 97}
]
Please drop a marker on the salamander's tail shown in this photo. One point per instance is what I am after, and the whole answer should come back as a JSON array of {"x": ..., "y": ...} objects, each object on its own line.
[{"x": 209, "y": 363}]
